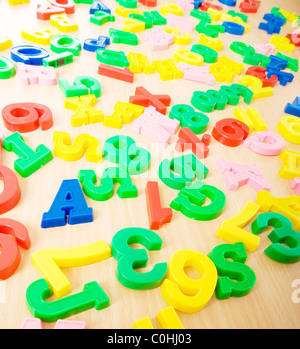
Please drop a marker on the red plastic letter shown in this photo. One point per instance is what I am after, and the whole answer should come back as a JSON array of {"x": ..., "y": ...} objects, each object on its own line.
[
  {"x": 145, "y": 98},
  {"x": 157, "y": 215},
  {"x": 27, "y": 117},
  {"x": 11, "y": 193},
  {"x": 230, "y": 132},
  {"x": 12, "y": 234}
]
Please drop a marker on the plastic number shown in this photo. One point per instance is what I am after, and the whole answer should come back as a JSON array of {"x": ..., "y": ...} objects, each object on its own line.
[
  {"x": 92, "y": 296},
  {"x": 184, "y": 293},
  {"x": 232, "y": 229},
  {"x": 188, "y": 117},
  {"x": 230, "y": 132},
  {"x": 12, "y": 234},
  {"x": 49, "y": 260},
  {"x": 123, "y": 151},
  {"x": 283, "y": 233},
  {"x": 130, "y": 259}
]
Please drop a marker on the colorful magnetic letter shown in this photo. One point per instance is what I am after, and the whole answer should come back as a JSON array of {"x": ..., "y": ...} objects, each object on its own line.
[
  {"x": 285, "y": 247},
  {"x": 123, "y": 113},
  {"x": 236, "y": 278},
  {"x": 188, "y": 117},
  {"x": 84, "y": 112},
  {"x": 27, "y": 117},
  {"x": 48, "y": 262},
  {"x": 12, "y": 234},
  {"x": 58, "y": 60},
  {"x": 129, "y": 259},
  {"x": 230, "y": 132},
  {"x": 115, "y": 58},
  {"x": 188, "y": 140},
  {"x": 7, "y": 68},
  {"x": 123, "y": 151},
  {"x": 105, "y": 190},
  {"x": 28, "y": 54},
  {"x": 29, "y": 160},
  {"x": 92, "y": 45},
  {"x": 92, "y": 296},
  {"x": 251, "y": 118},
  {"x": 68, "y": 5},
  {"x": 145, "y": 98},
  {"x": 290, "y": 168},
  {"x": 293, "y": 108},
  {"x": 11, "y": 193},
  {"x": 40, "y": 36},
  {"x": 235, "y": 175},
  {"x": 265, "y": 143},
  {"x": 83, "y": 143},
  {"x": 181, "y": 171},
  {"x": 156, "y": 126},
  {"x": 156, "y": 214},
  {"x": 190, "y": 200},
  {"x": 167, "y": 318},
  {"x": 44, "y": 11},
  {"x": 288, "y": 206},
  {"x": 232, "y": 231},
  {"x": 69, "y": 206},
  {"x": 288, "y": 127},
  {"x": 65, "y": 43},
  {"x": 184, "y": 293},
  {"x": 30, "y": 74}
]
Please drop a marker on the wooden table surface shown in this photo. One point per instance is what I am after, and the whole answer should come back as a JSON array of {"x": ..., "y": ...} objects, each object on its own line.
[{"x": 269, "y": 304}]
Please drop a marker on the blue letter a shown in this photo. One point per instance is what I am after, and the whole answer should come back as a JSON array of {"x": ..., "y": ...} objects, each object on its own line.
[{"x": 69, "y": 201}]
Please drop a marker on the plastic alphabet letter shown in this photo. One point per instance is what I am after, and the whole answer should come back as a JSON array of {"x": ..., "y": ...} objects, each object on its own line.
[
  {"x": 29, "y": 161},
  {"x": 69, "y": 206},
  {"x": 156, "y": 126},
  {"x": 234, "y": 175},
  {"x": 27, "y": 117},
  {"x": 157, "y": 215}
]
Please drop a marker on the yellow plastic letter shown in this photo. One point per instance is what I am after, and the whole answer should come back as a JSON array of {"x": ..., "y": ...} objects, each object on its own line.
[{"x": 184, "y": 293}]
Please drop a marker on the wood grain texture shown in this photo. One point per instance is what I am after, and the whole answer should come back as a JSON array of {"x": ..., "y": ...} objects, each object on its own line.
[{"x": 269, "y": 305}]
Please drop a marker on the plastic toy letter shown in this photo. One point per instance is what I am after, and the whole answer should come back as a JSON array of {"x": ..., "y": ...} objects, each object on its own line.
[
  {"x": 84, "y": 111},
  {"x": 27, "y": 117},
  {"x": 285, "y": 247},
  {"x": 156, "y": 126},
  {"x": 129, "y": 258},
  {"x": 12, "y": 235},
  {"x": 190, "y": 201},
  {"x": 69, "y": 203},
  {"x": 84, "y": 143},
  {"x": 181, "y": 171},
  {"x": 105, "y": 190},
  {"x": 287, "y": 206},
  {"x": 92, "y": 296},
  {"x": 7, "y": 68},
  {"x": 235, "y": 175},
  {"x": 167, "y": 318},
  {"x": 48, "y": 262},
  {"x": 11, "y": 193},
  {"x": 29, "y": 160},
  {"x": 236, "y": 279},
  {"x": 232, "y": 231},
  {"x": 184, "y": 293}
]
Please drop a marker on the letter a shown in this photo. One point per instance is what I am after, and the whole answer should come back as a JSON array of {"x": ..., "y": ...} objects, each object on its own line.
[{"x": 69, "y": 201}]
